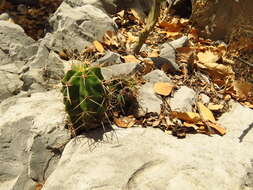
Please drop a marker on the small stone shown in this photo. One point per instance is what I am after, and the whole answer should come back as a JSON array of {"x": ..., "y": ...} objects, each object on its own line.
[
  {"x": 157, "y": 76},
  {"x": 110, "y": 58},
  {"x": 119, "y": 70},
  {"x": 183, "y": 100},
  {"x": 180, "y": 42},
  {"x": 4, "y": 16},
  {"x": 205, "y": 99},
  {"x": 148, "y": 100}
]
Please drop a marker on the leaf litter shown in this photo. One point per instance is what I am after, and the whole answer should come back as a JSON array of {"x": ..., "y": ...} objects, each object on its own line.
[{"x": 205, "y": 66}]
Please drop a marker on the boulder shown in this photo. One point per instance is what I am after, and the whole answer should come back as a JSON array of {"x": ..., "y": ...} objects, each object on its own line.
[
  {"x": 108, "y": 6},
  {"x": 239, "y": 122},
  {"x": 75, "y": 27},
  {"x": 147, "y": 159},
  {"x": 45, "y": 70},
  {"x": 31, "y": 130},
  {"x": 15, "y": 51}
]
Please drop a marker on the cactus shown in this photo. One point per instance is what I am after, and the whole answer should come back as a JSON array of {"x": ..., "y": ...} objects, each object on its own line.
[
  {"x": 90, "y": 100},
  {"x": 84, "y": 95}
]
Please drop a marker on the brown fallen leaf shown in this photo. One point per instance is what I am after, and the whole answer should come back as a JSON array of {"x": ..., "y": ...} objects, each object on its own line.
[
  {"x": 205, "y": 113},
  {"x": 221, "y": 130},
  {"x": 241, "y": 90},
  {"x": 184, "y": 53},
  {"x": 63, "y": 55},
  {"x": 38, "y": 186},
  {"x": 131, "y": 59},
  {"x": 98, "y": 46},
  {"x": 125, "y": 122},
  {"x": 215, "y": 107},
  {"x": 163, "y": 88},
  {"x": 185, "y": 124},
  {"x": 191, "y": 117},
  {"x": 138, "y": 14},
  {"x": 174, "y": 26},
  {"x": 193, "y": 33},
  {"x": 170, "y": 34},
  {"x": 208, "y": 59},
  {"x": 121, "y": 13},
  {"x": 248, "y": 104},
  {"x": 110, "y": 39}
]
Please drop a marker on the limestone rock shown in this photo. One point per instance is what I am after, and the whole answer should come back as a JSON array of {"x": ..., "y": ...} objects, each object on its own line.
[
  {"x": 119, "y": 70},
  {"x": 147, "y": 159},
  {"x": 108, "y": 6},
  {"x": 76, "y": 27},
  {"x": 30, "y": 127},
  {"x": 110, "y": 58},
  {"x": 16, "y": 49},
  {"x": 148, "y": 100},
  {"x": 183, "y": 100},
  {"x": 168, "y": 53},
  {"x": 239, "y": 122}
]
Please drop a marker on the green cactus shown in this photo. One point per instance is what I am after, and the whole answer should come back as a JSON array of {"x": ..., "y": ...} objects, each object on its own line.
[
  {"x": 84, "y": 95},
  {"x": 90, "y": 100}
]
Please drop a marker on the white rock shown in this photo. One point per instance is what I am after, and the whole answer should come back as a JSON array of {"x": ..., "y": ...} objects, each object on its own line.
[
  {"x": 119, "y": 70},
  {"x": 147, "y": 99},
  {"x": 29, "y": 127},
  {"x": 147, "y": 159},
  {"x": 76, "y": 27},
  {"x": 183, "y": 100},
  {"x": 205, "y": 99},
  {"x": 238, "y": 121}
]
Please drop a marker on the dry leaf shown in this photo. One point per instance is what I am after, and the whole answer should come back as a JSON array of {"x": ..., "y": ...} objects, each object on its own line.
[
  {"x": 110, "y": 38},
  {"x": 156, "y": 123},
  {"x": 215, "y": 107},
  {"x": 170, "y": 34},
  {"x": 205, "y": 113},
  {"x": 131, "y": 38},
  {"x": 121, "y": 13},
  {"x": 124, "y": 122},
  {"x": 98, "y": 46},
  {"x": 248, "y": 104},
  {"x": 217, "y": 127},
  {"x": 38, "y": 186},
  {"x": 190, "y": 125},
  {"x": 193, "y": 34},
  {"x": 163, "y": 88},
  {"x": 184, "y": 21},
  {"x": 63, "y": 55},
  {"x": 131, "y": 59},
  {"x": 207, "y": 57},
  {"x": 171, "y": 26},
  {"x": 166, "y": 68},
  {"x": 184, "y": 53},
  {"x": 186, "y": 116},
  {"x": 241, "y": 90}
]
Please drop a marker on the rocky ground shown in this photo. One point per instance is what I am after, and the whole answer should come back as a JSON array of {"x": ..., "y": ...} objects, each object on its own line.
[{"x": 37, "y": 151}]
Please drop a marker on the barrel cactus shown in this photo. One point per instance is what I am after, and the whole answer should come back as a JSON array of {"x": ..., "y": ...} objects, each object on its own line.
[{"x": 84, "y": 96}]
